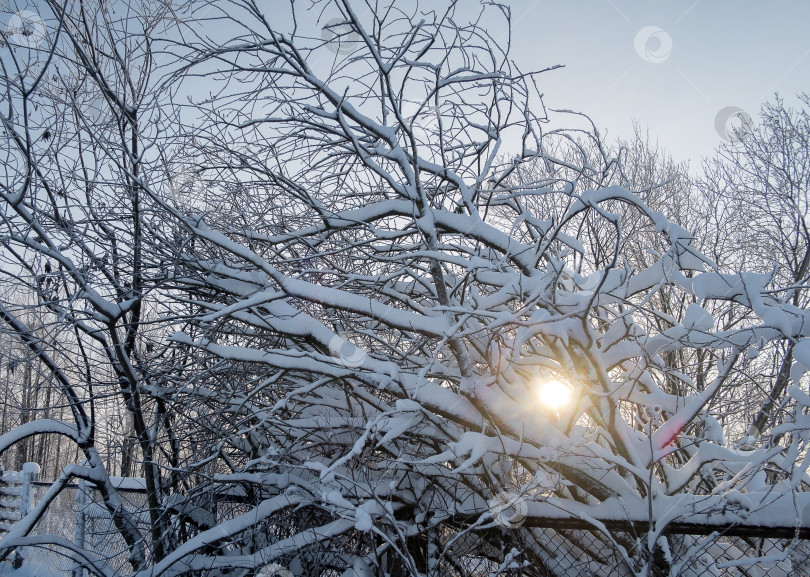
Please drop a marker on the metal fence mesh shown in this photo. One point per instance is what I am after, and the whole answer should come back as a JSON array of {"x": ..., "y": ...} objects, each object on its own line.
[
  {"x": 101, "y": 535},
  {"x": 540, "y": 552},
  {"x": 588, "y": 553}
]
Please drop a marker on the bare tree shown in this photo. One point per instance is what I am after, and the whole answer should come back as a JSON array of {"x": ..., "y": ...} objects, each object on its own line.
[
  {"x": 762, "y": 179},
  {"x": 74, "y": 84},
  {"x": 393, "y": 315}
]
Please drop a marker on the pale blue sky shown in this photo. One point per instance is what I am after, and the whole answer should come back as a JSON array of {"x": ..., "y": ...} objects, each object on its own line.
[
  {"x": 723, "y": 53},
  {"x": 710, "y": 55}
]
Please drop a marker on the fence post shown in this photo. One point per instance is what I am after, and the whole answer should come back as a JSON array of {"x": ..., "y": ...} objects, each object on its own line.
[
  {"x": 29, "y": 474},
  {"x": 6, "y": 513},
  {"x": 80, "y": 534}
]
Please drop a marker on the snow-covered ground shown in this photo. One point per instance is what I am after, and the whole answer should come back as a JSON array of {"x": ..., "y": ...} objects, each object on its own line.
[{"x": 29, "y": 569}]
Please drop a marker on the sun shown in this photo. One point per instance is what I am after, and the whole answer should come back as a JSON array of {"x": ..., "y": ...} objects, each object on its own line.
[{"x": 554, "y": 394}]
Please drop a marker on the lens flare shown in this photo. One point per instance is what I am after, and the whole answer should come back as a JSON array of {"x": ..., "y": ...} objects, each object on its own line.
[{"x": 554, "y": 394}]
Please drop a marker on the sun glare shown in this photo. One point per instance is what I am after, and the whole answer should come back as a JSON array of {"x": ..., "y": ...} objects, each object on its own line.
[{"x": 554, "y": 394}]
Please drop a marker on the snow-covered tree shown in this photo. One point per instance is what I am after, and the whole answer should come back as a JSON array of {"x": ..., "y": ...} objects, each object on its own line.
[
  {"x": 76, "y": 239},
  {"x": 333, "y": 286},
  {"x": 762, "y": 180}
]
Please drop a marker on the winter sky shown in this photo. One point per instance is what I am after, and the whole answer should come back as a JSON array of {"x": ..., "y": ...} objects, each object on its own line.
[
  {"x": 680, "y": 68},
  {"x": 687, "y": 70},
  {"x": 671, "y": 65}
]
